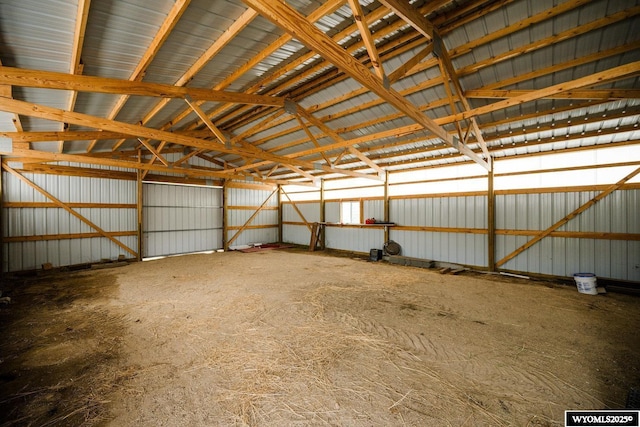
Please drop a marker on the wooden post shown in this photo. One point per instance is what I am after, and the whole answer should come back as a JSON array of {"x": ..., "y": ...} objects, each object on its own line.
[
  {"x": 280, "y": 215},
  {"x": 491, "y": 221},
  {"x": 322, "y": 214},
  {"x": 225, "y": 215},
  {"x": 139, "y": 209},
  {"x": 386, "y": 206}
]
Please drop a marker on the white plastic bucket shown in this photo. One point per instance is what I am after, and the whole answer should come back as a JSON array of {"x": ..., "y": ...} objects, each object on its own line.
[{"x": 586, "y": 283}]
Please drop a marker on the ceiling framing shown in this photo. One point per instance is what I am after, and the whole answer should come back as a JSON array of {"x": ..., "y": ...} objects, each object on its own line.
[{"x": 297, "y": 91}]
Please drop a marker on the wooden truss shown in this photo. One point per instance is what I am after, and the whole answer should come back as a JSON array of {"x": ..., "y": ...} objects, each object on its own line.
[{"x": 275, "y": 100}]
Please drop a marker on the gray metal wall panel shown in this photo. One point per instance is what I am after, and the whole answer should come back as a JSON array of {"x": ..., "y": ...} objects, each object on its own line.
[
  {"x": 332, "y": 211},
  {"x": 180, "y": 242},
  {"x": 354, "y": 239},
  {"x": 468, "y": 249},
  {"x": 47, "y": 221},
  {"x": 263, "y": 235},
  {"x": 181, "y": 219},
  {"x": 310, "y": 211},
  {"x": 374, "y": 209},
  {"x": 298, "y": 234},
  {"x": 238, "y": 217},
  {"x": 454, "y": 212},
  {"x": 617, "y": 213}
]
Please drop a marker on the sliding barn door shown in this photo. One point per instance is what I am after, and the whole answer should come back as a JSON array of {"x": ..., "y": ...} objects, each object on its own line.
[{"x": 179, "y": 219}]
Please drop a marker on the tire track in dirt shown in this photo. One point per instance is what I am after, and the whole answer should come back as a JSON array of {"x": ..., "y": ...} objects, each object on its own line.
[
  {"x": 545, "y": 383},
  {"x": 419, "y": 343}
]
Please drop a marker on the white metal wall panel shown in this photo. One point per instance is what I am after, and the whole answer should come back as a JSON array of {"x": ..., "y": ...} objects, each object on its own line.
[
  {"x": 458, "y": 248},
  {"x": 298, "y": 234},
  {"x": 332, "y": 211},
  {"x": 238, "y": 217},
  {"x": 453, "y": 212},
  {"x": 354, "y": 239},
  {"x": 374, "y": 209},
  {"x": 20, "y": 256},
  {"x": 181, "y": 219},
  {"x": 617, "y": 213},
  {"x": 310, "y": 211}
]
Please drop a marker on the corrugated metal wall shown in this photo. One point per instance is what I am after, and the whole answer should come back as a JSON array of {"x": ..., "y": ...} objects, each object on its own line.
[
  {"x": 242, "y": 203},
  {"x": 24, "y": 222},
  {"x": 181, "y": 219},
  {"x": 467, "y": 242},
  {"x": 559, "y": 256},
  {"x": 299, "y": 234},
  {"x": 467, "y": 212}
]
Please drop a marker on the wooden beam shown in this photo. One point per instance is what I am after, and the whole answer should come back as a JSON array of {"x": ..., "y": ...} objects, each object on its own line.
[
  {"x": 367, "y": 38},
  {"x": 178, "y": 9},
  {"x": 76, "y": 66},
  {"x": 46, "y": 237},
  {"x": 337, "y": 138},
  {"x": 616, "y": 73},
  {"x": 52, "y": 80},
  {"x": 291, "y": 21},
  {"x": 246, "y": 224},
  {"x": 45, "y": 136},
  {"x": 425, "y": 27},
  {"x": 40, "y": 205},
  {"x": 41, "y": 111},
  {"x": 222, "y": 41},
  {"x": 406, "y": 66},
  {"x": 84, "y": 159},
  {"x": 595, "y": 94},
  {"x": 409, "y": 14},
  {"x": 312, "y": 138},
  {"x": 295, "y": 207},
  {"x": 184, "y": 158},
  {"x": 6, "y": 92},
  {"x": 155, "y": 153},
  {"x": 224, "y": 139},
  {"x": 139, "y": 213},
  {"x": 491, "y": 223},
  {"x": 568, "y": 217},
  {"x": 67, "y": 208}
]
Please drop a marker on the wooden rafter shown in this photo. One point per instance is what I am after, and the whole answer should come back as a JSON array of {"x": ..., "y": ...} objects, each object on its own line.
[
  {"x": 407, "y": 66},
  {"x": 592, "y": 94},
  {"x": 616, "y": 73},
  {"x": 414, "y": 18},
  {"x": 292, "y": 22},
  {"x": 334, "y": 135},
  {"x": 41, "y": 111},
  {"x": 312, "y": 138},
  {"x": 52, "y": 80},
  {"x": 152, "y": 149},
  {"x": 235, "y": 28},
  {"x": 367, "y": 38},
  {"x": 81, "y": 135},
  {"x": 76, "y": 66},
  {"x": 323, "y": 10},
  {"x": 520, "y": 50},
  {"x": 222, "y": 138},
  {"x": 178, "y": 9}
]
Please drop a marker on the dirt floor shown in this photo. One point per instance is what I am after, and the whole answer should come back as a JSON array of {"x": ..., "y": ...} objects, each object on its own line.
[{"x": 298, "y": 339}]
